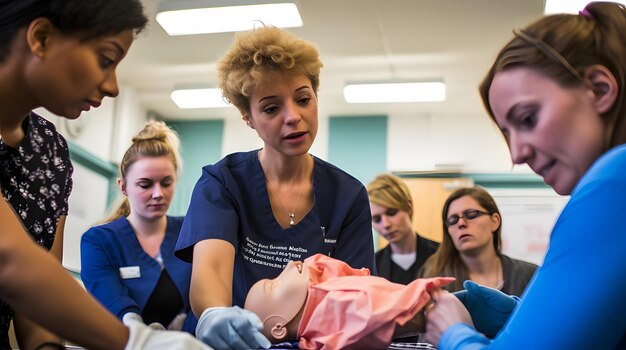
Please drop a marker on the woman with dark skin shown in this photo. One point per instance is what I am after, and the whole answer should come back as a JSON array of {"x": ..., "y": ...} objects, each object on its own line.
[{"x": 61, "y": 55}]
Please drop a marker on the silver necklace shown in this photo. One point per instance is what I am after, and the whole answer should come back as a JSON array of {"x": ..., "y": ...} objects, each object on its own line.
[{"x": 292, "y": 214}]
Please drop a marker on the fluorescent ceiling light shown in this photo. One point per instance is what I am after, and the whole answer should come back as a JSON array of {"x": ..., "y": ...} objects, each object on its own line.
[
  {"x": 183, "y": 17},
  {"x": 567, "y": 6},
  {"x": 395, "y": 92},
  {"x": 198, "y": 98}
]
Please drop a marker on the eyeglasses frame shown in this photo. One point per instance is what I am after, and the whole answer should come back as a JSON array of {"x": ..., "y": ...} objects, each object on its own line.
[{"x": 464, "y": 216}]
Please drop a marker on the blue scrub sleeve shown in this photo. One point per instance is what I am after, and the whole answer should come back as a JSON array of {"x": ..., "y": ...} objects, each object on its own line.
[
  {"x": 102, "y": 278},
  {"x": 212, "y": 213},
  {"x": 576, "y": 299},
  {"x": 463, "y": 337},
  {"x": 355, "y": 244}
]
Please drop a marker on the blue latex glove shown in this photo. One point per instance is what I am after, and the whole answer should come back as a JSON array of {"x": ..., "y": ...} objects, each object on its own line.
[
  {"x": 489, "y": 308},
  {"x": 231, "y": 328}
]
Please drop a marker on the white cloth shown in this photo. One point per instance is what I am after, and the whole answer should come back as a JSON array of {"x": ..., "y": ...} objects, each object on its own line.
[
  {"x": 144, "y": 337},
  {"x": 405, "y": 261}
]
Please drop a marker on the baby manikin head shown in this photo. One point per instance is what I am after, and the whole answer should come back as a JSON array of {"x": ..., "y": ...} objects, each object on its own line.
[{"x": 279, "y": 302}]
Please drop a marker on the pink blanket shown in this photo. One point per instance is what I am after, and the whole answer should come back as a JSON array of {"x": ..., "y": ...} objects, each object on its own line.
[{"x": 344, "y": 310}]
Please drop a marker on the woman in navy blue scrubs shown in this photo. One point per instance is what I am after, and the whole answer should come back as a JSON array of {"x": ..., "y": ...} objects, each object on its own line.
[
  {"x": 128, "y": 263},
  {"x": 254, "y": 211}
]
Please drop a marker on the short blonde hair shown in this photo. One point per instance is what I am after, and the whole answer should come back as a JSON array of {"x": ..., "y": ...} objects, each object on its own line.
[
  {"x": 255, "y": 53},
  {"x": 390, "y": 191}
]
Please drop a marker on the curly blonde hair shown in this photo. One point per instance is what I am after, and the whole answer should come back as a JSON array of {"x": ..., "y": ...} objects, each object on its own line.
[{"x": 255, "y": 53}]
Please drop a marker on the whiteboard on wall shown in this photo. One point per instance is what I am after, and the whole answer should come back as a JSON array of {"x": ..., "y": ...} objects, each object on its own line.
[
  {"x": 87, "y": 206},
  {"x": 528, "y": 216}
]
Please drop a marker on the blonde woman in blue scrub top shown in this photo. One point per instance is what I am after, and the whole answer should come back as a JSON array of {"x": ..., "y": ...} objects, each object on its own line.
[{"x": 128, "y": 263}]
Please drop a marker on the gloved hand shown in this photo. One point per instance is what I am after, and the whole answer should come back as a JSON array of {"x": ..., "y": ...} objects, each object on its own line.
[
  {"x": 489, "y": 308},
  {"x": 142, "y": 336},
  {"x": 231, "y": 328}
]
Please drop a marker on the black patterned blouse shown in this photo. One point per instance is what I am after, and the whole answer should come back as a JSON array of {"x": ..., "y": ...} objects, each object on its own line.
[{"x": 36, "y": 179}]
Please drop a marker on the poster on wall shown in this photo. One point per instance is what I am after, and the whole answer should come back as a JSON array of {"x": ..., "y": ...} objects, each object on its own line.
[{"x": 528, "y": 216}]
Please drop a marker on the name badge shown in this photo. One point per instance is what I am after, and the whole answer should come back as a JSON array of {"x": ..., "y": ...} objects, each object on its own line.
[{"x": 130, "y": 272}]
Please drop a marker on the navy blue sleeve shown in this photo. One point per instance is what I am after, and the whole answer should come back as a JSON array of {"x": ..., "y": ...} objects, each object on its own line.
[
  {"x": 355, "y": 244},
  {"x": 575, "y": 300},
  {"x": 101, "y": 276},
  {"x": 212, "y": 213}
]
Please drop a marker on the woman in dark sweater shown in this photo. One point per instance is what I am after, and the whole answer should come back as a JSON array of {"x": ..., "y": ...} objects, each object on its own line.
[
  {"x": 472, "y": 245},
  {"x": 392, "y": 211}
]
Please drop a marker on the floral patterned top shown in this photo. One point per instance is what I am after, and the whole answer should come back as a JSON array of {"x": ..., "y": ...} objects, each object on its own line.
[{"x": 36, "y": 179}]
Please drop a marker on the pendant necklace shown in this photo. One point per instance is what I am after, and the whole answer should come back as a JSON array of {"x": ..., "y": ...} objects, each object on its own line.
[{"x": 292, "y": 214}]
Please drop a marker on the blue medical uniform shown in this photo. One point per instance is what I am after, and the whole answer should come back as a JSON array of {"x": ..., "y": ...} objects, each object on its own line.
[
  {"x": 576, "y": 298},
  {"x": 231, "y": 202},
  {"x": 111, "y": 255}
]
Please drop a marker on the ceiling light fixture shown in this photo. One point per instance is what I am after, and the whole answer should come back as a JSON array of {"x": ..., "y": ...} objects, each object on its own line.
[
  {"x": 391, "y": 92},
  {"x": 198, "y": 98},
  {"x": 567, "y": 6},
  {"x": 185, "y": 17}
]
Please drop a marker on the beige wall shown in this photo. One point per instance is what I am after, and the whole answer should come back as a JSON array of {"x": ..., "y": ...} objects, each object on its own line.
[{"x": 428, "y": 198}]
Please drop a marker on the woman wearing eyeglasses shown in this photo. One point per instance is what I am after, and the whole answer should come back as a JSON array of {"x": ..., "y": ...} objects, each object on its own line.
[
  {"x": 392, "y": 210},
  {"x": 472, "y": 246}
]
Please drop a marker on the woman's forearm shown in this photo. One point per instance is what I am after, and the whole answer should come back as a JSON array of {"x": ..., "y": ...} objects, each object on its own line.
[
  {"x": 212, "y": 275},
  {"x": 29, "y": 335},
  {"x": 36, "y": 285}
]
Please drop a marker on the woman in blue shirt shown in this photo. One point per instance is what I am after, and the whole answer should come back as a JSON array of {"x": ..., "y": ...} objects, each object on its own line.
[
  {"x": 557, "y": 92},
  {"x": 252, "y": 212},
  {"x": 128, "y": 263}
]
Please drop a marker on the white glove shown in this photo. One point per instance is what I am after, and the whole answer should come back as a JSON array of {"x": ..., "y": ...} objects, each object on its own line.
[
  {"x": 142, "y": 336},
  {"x": 157, "y": 326}
]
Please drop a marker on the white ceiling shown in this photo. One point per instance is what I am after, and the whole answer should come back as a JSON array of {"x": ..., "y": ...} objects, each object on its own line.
[{"x": 452, "y": 40}]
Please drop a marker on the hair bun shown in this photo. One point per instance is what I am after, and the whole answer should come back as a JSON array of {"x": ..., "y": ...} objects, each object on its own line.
[{"x": 153, "y": 130}]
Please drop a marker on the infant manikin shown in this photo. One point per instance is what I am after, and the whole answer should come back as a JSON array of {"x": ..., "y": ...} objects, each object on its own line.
[{"x": 326, "y": 304}]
